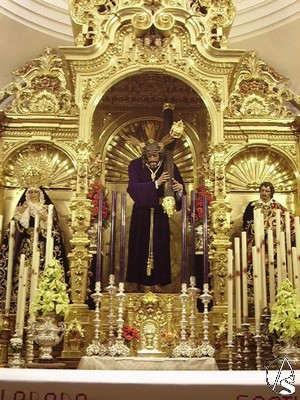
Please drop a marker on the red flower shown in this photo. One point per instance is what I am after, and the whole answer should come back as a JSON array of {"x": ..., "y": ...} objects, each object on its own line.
[
  {"x": 93, "y": 194},
  {"x": 200, "y": 193},
  {"x": 130, "y": 333}
]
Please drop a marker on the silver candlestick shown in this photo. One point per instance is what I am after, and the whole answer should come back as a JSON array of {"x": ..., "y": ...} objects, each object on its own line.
[
  {"x": 205, "y": 349},
  {"x": 183, "y": 349},
  {"x": 111, "y": 289},
  {"x": 193, "y": 295},
  {"x": 96, "y": 347},
  {"x": 119, "y": 349}
]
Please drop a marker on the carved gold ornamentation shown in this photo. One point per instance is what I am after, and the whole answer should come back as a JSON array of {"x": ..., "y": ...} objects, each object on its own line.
[
  {"x": 168, "y": 205},
  {"x": 39, "y": 165},
  {"x": 221, "y": 217},
  {"x": 219, "y": 267},
  {"x": 256, "y": 91},
  {"x": 74, "y": 335},
  {"x": 42, "y": 89},
  {"x": 254, "y": 165}
]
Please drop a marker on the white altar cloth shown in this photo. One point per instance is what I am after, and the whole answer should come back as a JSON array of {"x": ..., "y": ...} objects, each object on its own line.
[
  {"x": 148, "y": 363},
  {"x": 28, "y": 384}
]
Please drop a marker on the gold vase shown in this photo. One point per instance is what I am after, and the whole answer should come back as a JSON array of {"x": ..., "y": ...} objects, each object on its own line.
[{"x": 47, "y": 334}]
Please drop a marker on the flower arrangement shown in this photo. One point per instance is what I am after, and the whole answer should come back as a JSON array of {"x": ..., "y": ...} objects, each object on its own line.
[
  {"x": 130, "y": 333},
  {"x": 95, "y": 188},
  {"x": 285, "y": 314},
  {"x": 51, "y": 294},
  {"x": 201, "y": 191}
]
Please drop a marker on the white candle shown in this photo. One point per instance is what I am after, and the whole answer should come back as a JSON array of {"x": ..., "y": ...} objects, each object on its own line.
[
  {"x": 230, "y": 295},
  {"x": 23, "y": 300},
  {"x": 278, "y": 257},
  {"x": 34, "y": 282},
  {"x": 49, "y": 233},
  {"x": 237, "y": 270},
  {"x": 263, "y": 264},
  {"x": 296, "y": 269},
  {"x": 283, "y": 257},
  {"x": 20, "y": 288},
  {"x": 245, "y": 275},
  {"x": 271, "y": 267},
  {"x": 288, "y": 244},
  {"x": 256, "y": 285},
  {"x": 11, "y": 247}
]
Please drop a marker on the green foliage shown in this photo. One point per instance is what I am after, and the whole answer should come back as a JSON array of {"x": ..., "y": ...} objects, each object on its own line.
[
  {"x": 285, "y": 314},
  {"x": 51, "y": 294}
]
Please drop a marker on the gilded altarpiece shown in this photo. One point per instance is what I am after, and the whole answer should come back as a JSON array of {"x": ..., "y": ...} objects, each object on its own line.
[{"x": 75, "y": 106}]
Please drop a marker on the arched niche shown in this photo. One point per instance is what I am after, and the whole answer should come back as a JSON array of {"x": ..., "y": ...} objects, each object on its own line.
[
  {"x": 251, "y": 166},
  {"x": 40, "y": 164},
  {"x": 124, "y": 110}
]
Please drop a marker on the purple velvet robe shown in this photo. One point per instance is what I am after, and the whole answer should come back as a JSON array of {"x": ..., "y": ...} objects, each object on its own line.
[{"x": 145, "y": 196}]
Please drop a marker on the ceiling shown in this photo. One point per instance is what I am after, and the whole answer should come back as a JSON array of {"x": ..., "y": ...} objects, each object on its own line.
[{"x": 270, "y": 27}]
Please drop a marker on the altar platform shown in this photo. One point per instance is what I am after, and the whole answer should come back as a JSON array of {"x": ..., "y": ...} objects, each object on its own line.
[
  {"x": 148, "y": 363},
  {"x": 25, "y": 384}
]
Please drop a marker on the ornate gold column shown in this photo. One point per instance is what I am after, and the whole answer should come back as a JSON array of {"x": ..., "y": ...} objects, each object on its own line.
[
  {"x": 80, "y": 214},
  {"x": 220, "y": 212}
]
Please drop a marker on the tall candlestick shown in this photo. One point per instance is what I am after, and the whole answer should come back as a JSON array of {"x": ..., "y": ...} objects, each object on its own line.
[
  {"x": 11, "y": 247},
  {"x": 230, "y": 295},
  {"x": 49, "y": 233},
  {"x": 98, "y": 271},
  {"x": 278, "y": 252},
  {"x": 237, "y": 273},
  {"x": 256, "y": 285},
  {"x": 263, "y": 265},
  {"x": 23, "y": 300},
  {"x": 183, "y": 242},
  {"x": 271, "y": 267},
  {"x": 113, "y": 233},
  {"x": 34, "y": 281},
  {"x": 288, "y": 244},
  {"x": 296, "y": 269},
  {"x": 205, "y": 239},
  {"x": 245, "y": 274},
  {"x": 297, "y": 234},
  {"x": 193, "y": 223},
  {"x": 122, "y": 237},
  {"x": 20, "y": 288}
]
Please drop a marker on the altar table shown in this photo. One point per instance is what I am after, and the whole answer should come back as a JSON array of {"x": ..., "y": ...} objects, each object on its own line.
[{"x": 148, "y": 363}]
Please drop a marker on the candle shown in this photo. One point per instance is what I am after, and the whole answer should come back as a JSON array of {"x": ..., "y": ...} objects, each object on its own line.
[
  {"x": 283, "y": 256},
  {"x": 256, "y": 284},
  {"x": 278, "y": 256},
  {"x": 99, "y": 240},
  {"x": 20, "y": 288},
  {"x": 271, "y": 267},
  {"x": 245, "y": 275},
  {"x": 297, "y": 234},
  {"x": 34, "y": 281},
  {"x": 193, "y": 222},
  {"x": 23, "y": 300},
  {"x": 205, "y": 240},
  {"x": 49, "y": 234},
  {"x": 35, "y": 240},
  {"x": 11, "y": 247},
  {"x": 183, "y": 242},
  {"x": 113, "y": 233},
  {"x": 122, "y": 237},
  {"x": 230, "y": 295},
  {"x": 237, "y": 263},
  {"x": 296, "y": 269},
  {"x": 288, "y": 244},
  {"x": 263, "y": 264}
]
